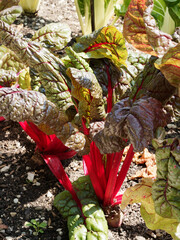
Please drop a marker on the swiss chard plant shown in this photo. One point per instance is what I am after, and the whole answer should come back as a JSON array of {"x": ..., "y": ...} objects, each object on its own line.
[{"x": 96, "y": 104}]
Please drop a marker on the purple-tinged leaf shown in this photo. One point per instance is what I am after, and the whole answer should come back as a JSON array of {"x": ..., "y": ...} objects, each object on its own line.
[
  {"x": 136, "y": 121},
  {"x": 21, "y": 105}
]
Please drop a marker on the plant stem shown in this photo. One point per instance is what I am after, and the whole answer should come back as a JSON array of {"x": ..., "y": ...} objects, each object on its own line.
[
  {"x": 79, "y": 16},
  {"x": 123, "y": 171},
  {"x": 57, "y": 169},
  {"x": 112, "y": 177},
  {"x": 92, "y": 15}
]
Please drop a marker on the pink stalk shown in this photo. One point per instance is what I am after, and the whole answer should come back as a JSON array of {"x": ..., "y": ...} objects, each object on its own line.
[
  {"x": 97, "y": 161},
  {"x": 2, "y": 119},
  {"x": 48, "y": 144},
  {"x": 123, "y": 172},
  {"x": 112, "y": 177},
  {"x": 94, "y": 179},
  {"x": 57, "y": 169},
  {"x": 117, "y": 200}
]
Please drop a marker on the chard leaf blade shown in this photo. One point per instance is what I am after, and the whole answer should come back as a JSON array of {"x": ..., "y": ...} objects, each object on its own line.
[
  {"x": 107, "y": 42},
  {"x": 22, "y": 105},
  {"x": 141, "y": 31},
  {"x": 170, "y": 66},
  {"x": 136, "y": 121},
  {"x": 9, "y": 15},
  {"x": 142, "y": 193},
  {"x": 86, "y": 89},
  {"x": 92, "y": 224},
  {"x": 54, "y": 36}
]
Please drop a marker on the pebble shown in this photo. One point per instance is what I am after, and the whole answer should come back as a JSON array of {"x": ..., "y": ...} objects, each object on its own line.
[
  {"x": 15, "y": 200},
  {"x": 139, "y": 238},
  {"x": 9, "y": 238},
  {"x": 59, "y": 237},
  {"x": 13, "y": 214},
  {"x": 30, "y": 176},
  {"x": 38, "y": 208},
  {"x": 49, "y": 194},
  {"x": 5, "y": 169},
  {"x": 37, "y": 183}
]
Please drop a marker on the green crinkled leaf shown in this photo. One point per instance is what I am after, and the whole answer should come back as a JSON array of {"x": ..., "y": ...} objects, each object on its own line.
[
  {"x": 49, "y": 67},
  {"x": 76, "y": 60},
  {"x": 22, "y": 105},
  {"x": 54, "y": 36},
  {"x": 170, "y": 65},
  {"x": 107, "y": 42},
  {"x": 8, "y": 78},
  {"x": 25, "y": 79},
  {"x": 166, "y": 189},
  {"x": 94, "y": 226},
  {"x": 9, "y": 15},
  {"x": 9, "y": 60},
  {"x": 86, "y": 89},
  {"x": 142, "y": 193}
]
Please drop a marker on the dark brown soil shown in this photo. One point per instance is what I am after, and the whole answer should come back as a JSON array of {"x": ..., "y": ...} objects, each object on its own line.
[{"x": 21, "y": 200}]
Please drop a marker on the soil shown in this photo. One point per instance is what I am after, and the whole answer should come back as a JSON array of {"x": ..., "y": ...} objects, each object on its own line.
[{"x": 22, "y": 200}]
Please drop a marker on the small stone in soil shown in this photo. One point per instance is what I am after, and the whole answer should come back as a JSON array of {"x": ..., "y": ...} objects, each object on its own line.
[
  {"x": 139, "y": 238},
  {"x": 15, "y": 200},
  {"x": 13, "y": 214},
  {"x": 5, "y": 169}
]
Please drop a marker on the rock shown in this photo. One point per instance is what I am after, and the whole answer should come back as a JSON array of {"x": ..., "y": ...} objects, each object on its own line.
[
  {"x": 139, "y": 238},
  {"x": 37, "y": 183},
  {"x": 13, "y": 214},
  {"x": 59, "y": 237},
  {"x": 5, "y": 169},
  {"x": 9, "y": 238},
  {"x": 15, "y": 200},
  {"x": 49, "y": 194},
  {"x": 30, "y": 176},
  {"x": 38, "y": 208}
]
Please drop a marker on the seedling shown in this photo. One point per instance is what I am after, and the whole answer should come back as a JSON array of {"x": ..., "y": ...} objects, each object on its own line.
[{"x": 38, "y": 227}]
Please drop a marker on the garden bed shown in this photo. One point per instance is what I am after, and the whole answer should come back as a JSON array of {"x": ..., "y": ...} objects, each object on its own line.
[{"x": 22, "y": 200}]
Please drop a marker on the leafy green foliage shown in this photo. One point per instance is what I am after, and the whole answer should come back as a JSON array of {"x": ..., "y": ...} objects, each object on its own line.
[
  {"x": 142, "y": 193},
  {"x": 38, "y": 227},
  {"x": 91, "y": 222},
  {"x": 166, "y": 188},
  {"x": 53, "y": 36}
]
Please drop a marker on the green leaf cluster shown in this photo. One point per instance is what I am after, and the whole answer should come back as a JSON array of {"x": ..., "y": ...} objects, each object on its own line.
[{"x": 91, "y": 222}]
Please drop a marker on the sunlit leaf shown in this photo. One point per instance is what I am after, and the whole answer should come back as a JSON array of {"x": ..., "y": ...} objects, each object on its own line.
[
  {"x": 141, "y": 193},
  {"x": 54, "y": 35},
  {"x": 141, "y": 31},
  {"x": 107, "y": 42},
  {"x": 170, "y": 66}
]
